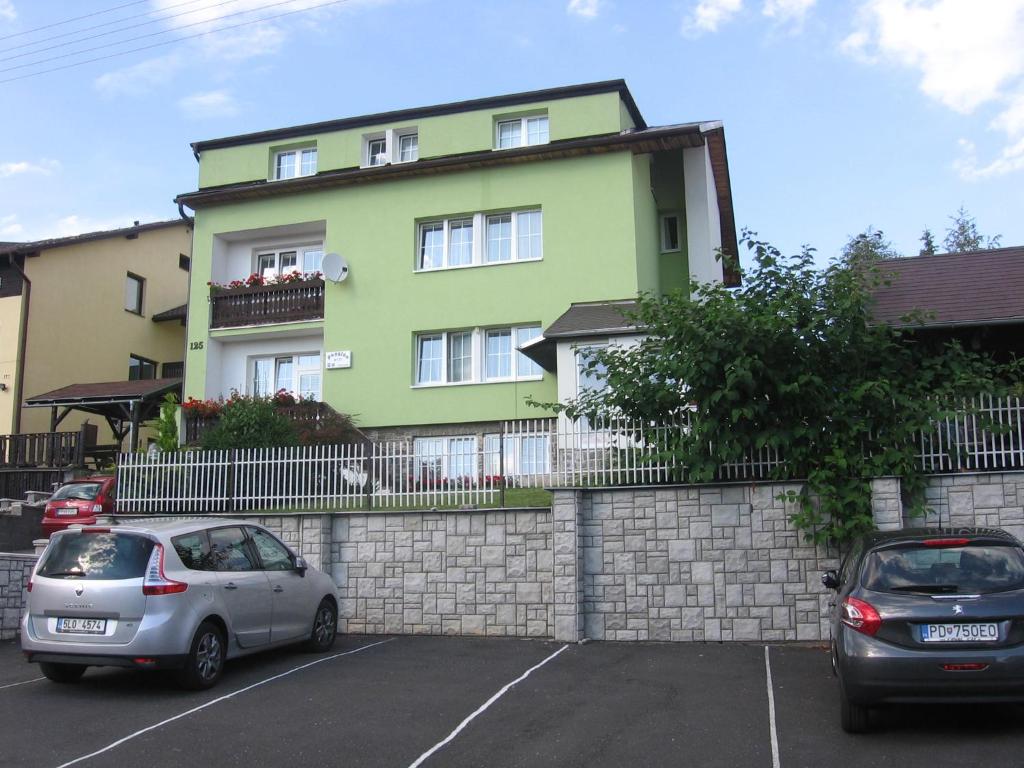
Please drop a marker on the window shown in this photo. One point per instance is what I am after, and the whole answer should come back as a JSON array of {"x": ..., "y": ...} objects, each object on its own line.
[
  {"x": 521, "y": 132},
  {"x": 273, "y": 554},
  {"x": 669, "y": 232},
  {"x": 479, "y": 355},
  {"x": 140, "y": 368},
  {"x": 133, "y": 290},
  {"x": 588, "y": 380},
  {"x": 445, "y": 458},
  {"x": 295, "y": 162},
  {"x": 271, "y": 263},
  {"x": 184, "y": 262},
  {"x": 229, "y": 550},
  {"x": 503, "y": 237},
  {"x": 400, "y": 145},
  {"x": 194, "y": 551},
  {"x": 298, "y": 374},
  {"x": 523, "y": 455}
]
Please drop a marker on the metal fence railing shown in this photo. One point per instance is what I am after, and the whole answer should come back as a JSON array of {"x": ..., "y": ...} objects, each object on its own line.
[{"x": 478, "y": 469}]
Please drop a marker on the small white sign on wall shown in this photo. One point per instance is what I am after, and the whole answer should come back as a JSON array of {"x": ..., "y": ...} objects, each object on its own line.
[{"x": 340, "y": 359}]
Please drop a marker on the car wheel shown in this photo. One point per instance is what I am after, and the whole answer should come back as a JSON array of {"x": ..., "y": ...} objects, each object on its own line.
[
  {"x": 205, "y": 663},
  {"x": 325, "y": 627},
  {"x": 62, "y": 673},
  {"x": 853, "y": 717}
]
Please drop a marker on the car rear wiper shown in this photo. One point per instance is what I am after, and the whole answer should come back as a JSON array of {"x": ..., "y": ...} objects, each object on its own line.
[
  {"x": 64, "y": 573},
  {"x": 927, "y": 588}
]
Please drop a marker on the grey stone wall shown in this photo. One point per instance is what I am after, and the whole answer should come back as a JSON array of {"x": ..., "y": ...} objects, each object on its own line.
[
  {"x": 15, "y": 571},
  {"x": 976, "y": 498},
  {"x": 695, "y": 563},
  {"x": 454, "y": 573}
]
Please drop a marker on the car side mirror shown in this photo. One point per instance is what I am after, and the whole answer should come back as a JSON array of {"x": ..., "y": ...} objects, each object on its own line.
[
  {"x": 300, "y": 565},
  {"x": 830, "y": 579}
]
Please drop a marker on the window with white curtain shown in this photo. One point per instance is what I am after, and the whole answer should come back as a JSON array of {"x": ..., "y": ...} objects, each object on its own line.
[
  {"x": 291, "y": 163},
  {"x": 479, "y": 355},
  {"x": 480, "y": 239},
  {"x": 298, "y": 374},
  {"x": 521, "y": 132}
]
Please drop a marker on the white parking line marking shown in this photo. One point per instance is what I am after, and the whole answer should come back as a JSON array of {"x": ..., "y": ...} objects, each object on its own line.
[
  {"x": 422, "y": 758},
  {"x": 131, "y": 736},
  {"x": 23, "y": 682},
  {"x": 771, "y": 709}
]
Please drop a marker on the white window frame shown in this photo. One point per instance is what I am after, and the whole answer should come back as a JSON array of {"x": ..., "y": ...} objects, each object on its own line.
[
  {"x": 524, "y": 135},
  {"x": 297, "y": 152},
  {"x": 443, "y": 469},
  {"x": 479, "y": 239},
  {"x": 300, "y": 257},
  {"x": 297, "y": 372},
  {"x": 662, "y": 220},
  {"x": 539, "y": 454},
  {"x": 392, "y": 154},
  {"x": 478, "y": 362}
]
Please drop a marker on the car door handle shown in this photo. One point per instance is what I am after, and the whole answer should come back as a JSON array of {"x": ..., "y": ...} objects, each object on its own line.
[
  {"x": 231, "y": 585},
  {"x": 278, "y": 588}
]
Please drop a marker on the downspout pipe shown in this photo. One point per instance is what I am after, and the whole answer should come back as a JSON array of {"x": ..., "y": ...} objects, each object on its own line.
[{"x": 26, "y": 299}]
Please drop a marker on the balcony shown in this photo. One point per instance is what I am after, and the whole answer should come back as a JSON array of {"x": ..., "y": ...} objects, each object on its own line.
[{"x": 267, "y": 304}]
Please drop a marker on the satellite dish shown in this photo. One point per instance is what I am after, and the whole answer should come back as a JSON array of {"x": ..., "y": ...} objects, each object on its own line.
[{"x": 335, "y": 267}]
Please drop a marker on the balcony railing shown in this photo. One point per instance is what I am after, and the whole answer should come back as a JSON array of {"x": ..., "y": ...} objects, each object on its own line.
[{"x": 267, "y": 304}]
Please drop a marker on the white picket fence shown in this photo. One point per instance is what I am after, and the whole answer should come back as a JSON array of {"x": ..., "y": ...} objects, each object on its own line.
[{"x": 475, "y": 470}]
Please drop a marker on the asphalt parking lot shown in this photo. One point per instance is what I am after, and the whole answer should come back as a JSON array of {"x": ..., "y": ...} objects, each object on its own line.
[{"x": 431, "y": 701}]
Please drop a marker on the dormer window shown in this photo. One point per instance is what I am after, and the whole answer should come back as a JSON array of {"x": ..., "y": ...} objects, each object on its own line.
[
  {"x": 391, "y": 146},
  {"x": 291, "y": 163},
  {"x": 521, "y": 132}
]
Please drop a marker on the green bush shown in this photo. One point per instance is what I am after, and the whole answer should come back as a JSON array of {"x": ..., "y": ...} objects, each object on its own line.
[{"x": 250, "y": 422}]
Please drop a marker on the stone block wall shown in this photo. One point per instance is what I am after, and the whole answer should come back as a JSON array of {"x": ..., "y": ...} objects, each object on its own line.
[
  {"x": 454, "y": 572},
  {"x": 15, "y": 571},
  {"x": 975, "y": 499},
  {"x": 693, "y": 563}
]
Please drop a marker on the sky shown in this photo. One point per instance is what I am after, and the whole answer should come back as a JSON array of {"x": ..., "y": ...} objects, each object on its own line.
[{"x": 839, "y": 114}]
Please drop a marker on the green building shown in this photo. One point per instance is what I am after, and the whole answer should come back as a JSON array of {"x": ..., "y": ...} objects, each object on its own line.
[{"x": 464, "y": 233}]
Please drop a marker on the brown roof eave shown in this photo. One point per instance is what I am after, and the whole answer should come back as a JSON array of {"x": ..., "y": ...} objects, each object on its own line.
[
  {"x": 715, "y": 138},
  {"x": 649, "y": 140},
  {"x": 35, "y": 247}
]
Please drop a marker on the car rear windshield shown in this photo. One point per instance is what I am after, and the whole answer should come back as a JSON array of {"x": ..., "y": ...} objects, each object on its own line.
[
  {"x": 81, "y": 491},
  {"x": 977, "y": 568},
  {"x": 97, "y": 556}
]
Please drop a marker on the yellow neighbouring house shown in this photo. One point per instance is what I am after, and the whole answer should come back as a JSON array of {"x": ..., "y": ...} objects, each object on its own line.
[{"x": 92, "y": 328}]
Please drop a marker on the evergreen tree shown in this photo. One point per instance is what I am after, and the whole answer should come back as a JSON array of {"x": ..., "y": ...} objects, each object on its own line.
[
  {"x": 927, "y": 243},
  {"x": 963, "y": 235}
]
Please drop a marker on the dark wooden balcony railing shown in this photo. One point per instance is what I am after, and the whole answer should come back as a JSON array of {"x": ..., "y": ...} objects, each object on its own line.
[
  {"x": 265, "y": 304},
  {"x": 47, "y": 449}
]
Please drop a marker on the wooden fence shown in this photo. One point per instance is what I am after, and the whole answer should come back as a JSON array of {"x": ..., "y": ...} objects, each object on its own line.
[{"x": 264, "y": 304}]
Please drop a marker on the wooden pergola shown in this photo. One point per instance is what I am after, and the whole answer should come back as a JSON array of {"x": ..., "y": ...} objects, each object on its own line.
[{"x": 123, "y": 404}]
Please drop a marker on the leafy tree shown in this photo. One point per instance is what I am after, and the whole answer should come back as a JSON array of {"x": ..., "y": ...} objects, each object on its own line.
[
  {"x": 869, "y": 244},
  {"x": 789, "y": 361},
  {"x": 167, "y": 424},
  {"x": 963, "y": 235},
  {"x": 927, "y": 243},
  {"x": 250, "y": 422}
]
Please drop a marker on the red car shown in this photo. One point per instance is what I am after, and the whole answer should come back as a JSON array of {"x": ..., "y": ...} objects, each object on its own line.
[{"x": 79, "y": 502}]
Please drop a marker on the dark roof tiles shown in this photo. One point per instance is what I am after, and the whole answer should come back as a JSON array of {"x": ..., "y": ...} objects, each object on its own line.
[{"x": 599, "y": 317}]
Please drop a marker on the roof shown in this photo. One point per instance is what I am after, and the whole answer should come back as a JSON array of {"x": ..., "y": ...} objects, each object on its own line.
[
  {"x": 639, "y": 141},
  {"x": 175, "y": 313},
  {"x": 58, "y": 242},
  {"x": 416, "y": 113},
  {"x": 592, "y": 318},
  {"x": 974, "y": 288},
  {"x": 105, "y": 392}
]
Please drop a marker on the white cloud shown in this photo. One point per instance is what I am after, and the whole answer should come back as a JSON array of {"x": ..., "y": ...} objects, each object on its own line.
[
  {"x": 9, "y": 226},
  {"x": 209, "y": 104},
  {"x": 140, "y": 78},
  {"x": 7, "y": 10},
  {"x": 787, "y": 10},
  {"x": 18, "y": 167},
  {"x": 968, "y": 56},
  {"x": 588, "y": 9},
  {"x": 709, "y": 15},
  {"x": 77, "y": 224}
]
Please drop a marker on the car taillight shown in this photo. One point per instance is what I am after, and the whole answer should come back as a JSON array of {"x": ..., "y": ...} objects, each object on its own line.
[
  {"x": 155, "y": 582},
  {"x": 860, "y": 616},
  {"x": 939, "y": 543},
  {"x": 28, "y": 587}
]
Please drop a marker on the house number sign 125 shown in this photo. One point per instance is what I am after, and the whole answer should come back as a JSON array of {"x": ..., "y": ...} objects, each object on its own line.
[{"x": 196, "y": 345}]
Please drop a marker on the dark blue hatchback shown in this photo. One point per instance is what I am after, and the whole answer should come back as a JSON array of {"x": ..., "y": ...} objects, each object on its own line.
[{"x": 928, "y": 615}]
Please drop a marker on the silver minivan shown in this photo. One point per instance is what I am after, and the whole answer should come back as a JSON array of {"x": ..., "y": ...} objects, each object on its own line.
[{"x": 181, "y": 594}]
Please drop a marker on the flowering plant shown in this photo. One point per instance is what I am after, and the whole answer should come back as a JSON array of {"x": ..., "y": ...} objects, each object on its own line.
[
  {"x": 199, "y": 409},
  {"x": 256, "y": 280}
]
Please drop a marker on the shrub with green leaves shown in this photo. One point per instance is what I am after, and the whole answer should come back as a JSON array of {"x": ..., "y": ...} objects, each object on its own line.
[
  {"x": 790, "y": 361},
  {"x": 250, "y": 422}
]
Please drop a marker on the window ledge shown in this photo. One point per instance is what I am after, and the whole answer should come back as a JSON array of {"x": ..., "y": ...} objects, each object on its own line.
[
  {"x": 481, "y": 264},
  {"x": 443, "y": 384}
]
